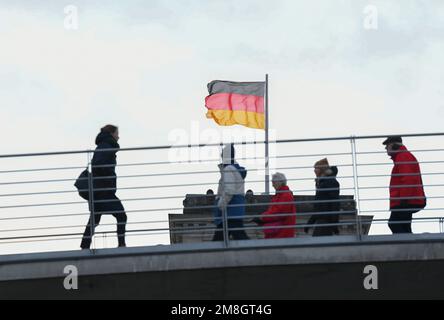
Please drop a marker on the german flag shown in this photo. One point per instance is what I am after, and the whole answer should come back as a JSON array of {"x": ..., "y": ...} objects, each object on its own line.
[{"x": 230, "y": 103}]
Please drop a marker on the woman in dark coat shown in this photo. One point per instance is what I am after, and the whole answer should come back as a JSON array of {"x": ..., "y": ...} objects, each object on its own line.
[
  {"x": 105, "y": 181},
  {"x": 326, "y": 200}
]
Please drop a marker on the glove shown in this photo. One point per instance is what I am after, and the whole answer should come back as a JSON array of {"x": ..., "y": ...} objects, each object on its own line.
[{"x": 221, "y": 204}]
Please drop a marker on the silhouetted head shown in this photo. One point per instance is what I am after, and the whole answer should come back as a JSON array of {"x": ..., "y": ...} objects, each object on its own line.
[
  {"x": 112, "y": 130},
  {"x": 321, "y": 167},
  {"x": 392, "y": 145},
  {"x": 279, "y": 180}
]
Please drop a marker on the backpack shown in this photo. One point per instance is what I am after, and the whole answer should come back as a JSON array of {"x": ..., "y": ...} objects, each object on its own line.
[{"x": 82, "y": 184}]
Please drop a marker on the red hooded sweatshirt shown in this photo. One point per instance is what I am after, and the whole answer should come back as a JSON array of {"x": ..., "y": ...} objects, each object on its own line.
[
  {"x": 283, "y": 195},
  {"x": 406, "y": 181}
]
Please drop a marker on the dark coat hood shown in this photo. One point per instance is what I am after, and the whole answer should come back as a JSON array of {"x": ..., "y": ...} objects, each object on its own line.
[
  {"x": 105, "y": 137},
  {"x": 333, "y": 171}
]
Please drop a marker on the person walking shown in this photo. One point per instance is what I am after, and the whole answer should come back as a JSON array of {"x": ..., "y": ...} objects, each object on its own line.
[
  {"x": 407, "y": 195},
  {"x": 230, "y": 197},
  {"x": 105, "y": 186},
  {"x": 282, "y": 203},
  {"x": 327, "y": 203}
]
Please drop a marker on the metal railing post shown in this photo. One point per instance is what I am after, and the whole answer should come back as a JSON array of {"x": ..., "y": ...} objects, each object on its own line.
[
  {"x": 356, "y": 187},
  {"x": 91, "y": 197},
  {"x": 226, "y": 228},
  {"x": 225, "y": 215},
  {"x": 226, "y": 235}
]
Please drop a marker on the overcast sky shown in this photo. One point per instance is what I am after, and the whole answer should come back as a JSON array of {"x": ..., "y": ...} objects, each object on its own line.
[{"x": 144, "y": 65}]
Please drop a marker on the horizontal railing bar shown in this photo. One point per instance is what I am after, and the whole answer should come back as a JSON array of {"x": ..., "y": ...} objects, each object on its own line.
[
  {"x": 217, "y": 160},
  {"x": 413, "y": 150},
  {"x": 139, "y": 176},
  {"x": 78, "y": 237},
  {"x": 247, "y": 216},
  {"x": 203, "y": 195},
  {"x": 185, "y": 185},
  {"x": 391, "y": 163},
  {"x": 403, "y": 198},
  {"x": 399, "y": 187},
  {"x": 200, "y": 161},
  {"x": 88, "y": 214},
  {"x": 133, "y": 188},
  {"x": 42, "y": 169},
  {"x": 83, "y": 226},
  {"x": 400, "y": 210},
  {"x": 402, "y": 175},
  {"x": 216, "y": 171},
  {"x": 141, "y": 199}
]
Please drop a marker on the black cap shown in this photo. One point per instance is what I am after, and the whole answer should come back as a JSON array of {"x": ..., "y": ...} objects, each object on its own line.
[{"x": 392, "y": 139}]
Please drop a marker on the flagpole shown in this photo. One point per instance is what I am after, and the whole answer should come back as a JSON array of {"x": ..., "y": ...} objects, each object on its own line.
[{"x": 267, "y": 151}]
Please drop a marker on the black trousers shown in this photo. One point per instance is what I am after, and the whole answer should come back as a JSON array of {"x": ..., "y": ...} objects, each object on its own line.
[
  {"x": 116, "y": 209},
  {"x": 234, "y": 234},
  {"x": 324, "y": 231},
  {"x": 401, "y": 220}
]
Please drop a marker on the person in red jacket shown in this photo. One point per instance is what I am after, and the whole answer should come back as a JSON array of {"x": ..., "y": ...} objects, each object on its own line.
[
  {"x": 281, "y": 204},
  {"x": 406, "y": 187}
]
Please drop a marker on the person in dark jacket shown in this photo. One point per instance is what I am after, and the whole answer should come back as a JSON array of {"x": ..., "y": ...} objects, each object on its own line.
[
  {"x": 105, "y": 186},
  {"x": 407, "y": 195},
  {"x": 327, "y": 203}
]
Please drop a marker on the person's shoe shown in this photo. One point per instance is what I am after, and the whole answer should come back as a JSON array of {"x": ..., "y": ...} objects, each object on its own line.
[{"x": 85, "y": 246}]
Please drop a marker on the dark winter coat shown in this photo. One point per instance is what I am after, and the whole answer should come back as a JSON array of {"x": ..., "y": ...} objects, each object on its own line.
[
  {"x": 104, "y": 166},
  {"x": 327, "y": 198}
]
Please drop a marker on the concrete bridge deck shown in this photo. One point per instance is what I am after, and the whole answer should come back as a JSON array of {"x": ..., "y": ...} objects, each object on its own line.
[{"x": 409, "y": 266}]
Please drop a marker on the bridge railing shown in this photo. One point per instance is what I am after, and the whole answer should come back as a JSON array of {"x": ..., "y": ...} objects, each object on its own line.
[{"x": 40, "y": 209}]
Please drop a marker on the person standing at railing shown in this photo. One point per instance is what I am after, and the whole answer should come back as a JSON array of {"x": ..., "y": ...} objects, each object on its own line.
[
  {"x": 105, "y": 185},
  {"x": 230, "y": 196},
  {"x": 407, "y": 195},
  {"x": 327, "y": 205},
  {"x": 279, "y": 221}
]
